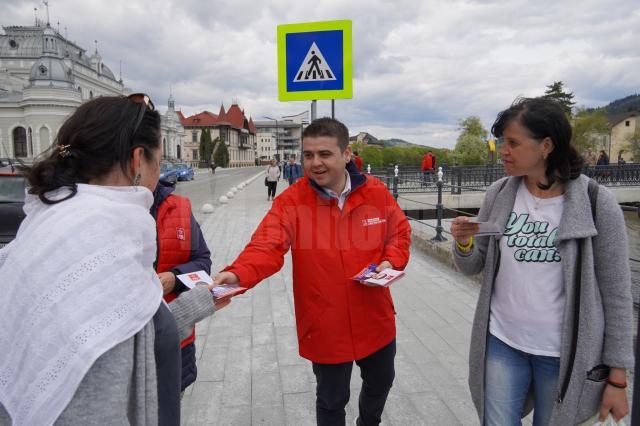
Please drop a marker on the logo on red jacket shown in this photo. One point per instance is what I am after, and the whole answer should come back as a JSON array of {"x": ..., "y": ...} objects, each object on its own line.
[
  {"x": 180, "y": 233},
  {"x": 373, "y": 221}
]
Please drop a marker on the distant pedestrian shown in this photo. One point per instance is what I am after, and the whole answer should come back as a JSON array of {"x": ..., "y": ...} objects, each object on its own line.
[
  {"x": 603, "y": 159},
  {"x": 491, "y": 148},
  {"x": 357, "y": 160},
  {"x": 213, "y": 166},
  {"x": 271, "y": 180},
  {"x": 427, "y": 166},
  {"x": 292, "y": 170},
  {"x": 620, "y": 159},
  {"x": 336, "y": 221},
  {"x": 553, "y": 321}
]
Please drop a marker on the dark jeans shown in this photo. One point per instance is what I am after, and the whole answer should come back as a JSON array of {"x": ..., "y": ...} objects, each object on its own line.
[
  {"x": 271, "y": 188},
  {"x": 332, "y": 392}
]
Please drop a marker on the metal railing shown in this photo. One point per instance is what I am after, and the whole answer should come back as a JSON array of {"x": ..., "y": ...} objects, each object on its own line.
[
  {"x": 479, "y": 179},
  {"x": 459, "y": 179}
]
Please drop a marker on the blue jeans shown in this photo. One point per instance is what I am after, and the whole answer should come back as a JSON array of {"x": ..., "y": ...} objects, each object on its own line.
[{"x": 509, "y": 373}]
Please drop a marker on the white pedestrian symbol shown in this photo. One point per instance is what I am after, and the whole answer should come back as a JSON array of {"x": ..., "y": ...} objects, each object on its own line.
[{"x": 314, "y": 67}]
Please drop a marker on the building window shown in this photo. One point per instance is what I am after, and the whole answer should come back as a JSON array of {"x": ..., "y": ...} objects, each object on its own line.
[
  {"x": 194, "y": 137},
  {"x": 44, "y": 138},
  {"x": 627, "y": 123},
  {"x": 195, "y": 155},
  {"x": 19, "y": 142},
  {"x": 178, "y": 152}
]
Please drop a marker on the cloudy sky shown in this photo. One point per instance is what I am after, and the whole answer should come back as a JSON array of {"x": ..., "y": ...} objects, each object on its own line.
[{"x": 419, "y": 65}]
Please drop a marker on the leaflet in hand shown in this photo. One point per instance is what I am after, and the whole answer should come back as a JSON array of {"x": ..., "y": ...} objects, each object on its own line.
[
  {"x": 386, "y": 276},
  {"x": 191, "y": 279},
  {"x": 227, "y": 290},
  {"x": 486, "y": 228}
]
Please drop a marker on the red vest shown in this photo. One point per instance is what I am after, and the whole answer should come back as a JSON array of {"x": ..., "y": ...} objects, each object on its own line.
[{"x": 174, "y": 240}]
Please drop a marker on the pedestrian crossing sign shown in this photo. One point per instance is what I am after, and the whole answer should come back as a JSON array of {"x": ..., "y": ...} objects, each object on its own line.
[{"x": 315, "y": 61}]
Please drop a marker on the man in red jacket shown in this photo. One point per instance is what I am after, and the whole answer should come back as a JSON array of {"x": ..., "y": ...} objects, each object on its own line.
[
  {"x": 336, "y": 221},
  {"x": 427, "y": 166},
  {"x": 357, "y": 160}
]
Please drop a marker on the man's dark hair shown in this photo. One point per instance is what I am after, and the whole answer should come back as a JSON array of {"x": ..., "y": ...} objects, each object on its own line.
[
  {"x": 544, "y": 118},
  {"x": 96, "y": 138},
  {"x": 329, "y": 127},
  {"x": 355, "y": 153}
]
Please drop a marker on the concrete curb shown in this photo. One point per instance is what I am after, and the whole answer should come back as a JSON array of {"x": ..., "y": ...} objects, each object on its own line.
[{"x": 441, "y": 251}]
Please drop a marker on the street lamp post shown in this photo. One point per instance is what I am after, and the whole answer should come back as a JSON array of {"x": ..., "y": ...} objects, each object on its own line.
[{"x": 277, "y": 138}]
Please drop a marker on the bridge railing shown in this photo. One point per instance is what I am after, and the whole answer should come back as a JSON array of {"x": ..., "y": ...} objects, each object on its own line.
[
  {"x": 479, "y": 178},
  {"x": 459, "y": 179}
]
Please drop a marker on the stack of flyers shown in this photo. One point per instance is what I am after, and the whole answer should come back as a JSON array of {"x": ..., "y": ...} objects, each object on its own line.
[
  {"x": 227, "y": 290},
  {"x": 383, "y": 278}
]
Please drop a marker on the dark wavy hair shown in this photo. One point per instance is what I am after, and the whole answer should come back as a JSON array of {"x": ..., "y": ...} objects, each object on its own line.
[
  {"x": 545, "y": 118},
  {"x": 329, "y": 127},
  {"x": 91, "y": 142}
]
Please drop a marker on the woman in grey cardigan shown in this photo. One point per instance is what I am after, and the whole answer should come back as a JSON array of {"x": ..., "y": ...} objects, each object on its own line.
[{"x": 552, "y": 328}]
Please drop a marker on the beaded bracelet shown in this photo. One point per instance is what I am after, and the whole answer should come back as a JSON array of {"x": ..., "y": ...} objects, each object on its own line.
[{"x": 465, "y": 248}]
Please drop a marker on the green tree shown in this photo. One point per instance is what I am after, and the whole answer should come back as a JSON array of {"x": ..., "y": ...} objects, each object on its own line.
[
  {"x": 206, "y": 145},
  {"x": 589, "y": 127},
  {"x": 221, "y": 154},
  {"x": 556, "y": 92},
  {"x": 371, "y": 155},
  {"x": 471, "y": 147}
]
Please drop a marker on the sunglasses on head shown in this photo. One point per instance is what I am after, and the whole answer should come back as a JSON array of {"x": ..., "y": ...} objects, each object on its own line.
[{"x": 145, "y": 105}]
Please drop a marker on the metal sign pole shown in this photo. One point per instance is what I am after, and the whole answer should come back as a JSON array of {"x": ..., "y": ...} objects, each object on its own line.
[
  {"x": 314, "y": 110},
  {"x": 333, "y": 108}
]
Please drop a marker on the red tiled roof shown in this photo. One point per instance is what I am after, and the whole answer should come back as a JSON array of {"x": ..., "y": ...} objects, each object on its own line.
[
  {"x": 235, "y": 117},
  {"x": 203, "y": 119},
  {"x": 181, "y": 117}
]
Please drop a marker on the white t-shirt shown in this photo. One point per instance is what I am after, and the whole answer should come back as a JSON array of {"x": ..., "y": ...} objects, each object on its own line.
[{"x": 527, "y": 306}]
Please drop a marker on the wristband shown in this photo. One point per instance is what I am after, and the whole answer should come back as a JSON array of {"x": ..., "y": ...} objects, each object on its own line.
[
  {"x": 465, "y": 248},
  {"x": 617, "y": 384}
]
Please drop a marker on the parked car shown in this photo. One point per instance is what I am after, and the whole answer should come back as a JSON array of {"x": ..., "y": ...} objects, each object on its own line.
[
  {"x": 168, "y": 173},
  {"x": 185, "y": 172},
  {"x": 10, "y": 164},
  {"x": 12, "y": 188}
]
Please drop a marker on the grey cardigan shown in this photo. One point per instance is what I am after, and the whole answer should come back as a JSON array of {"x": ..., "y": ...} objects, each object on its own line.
[
  {"x": 605, "y": 311},
  {"x": 120, "y": 387}
]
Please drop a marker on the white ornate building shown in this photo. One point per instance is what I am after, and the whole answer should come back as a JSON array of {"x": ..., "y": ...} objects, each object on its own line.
[
  {"x": 173, "y": 134},
  {"x": 43, "y": 79}
]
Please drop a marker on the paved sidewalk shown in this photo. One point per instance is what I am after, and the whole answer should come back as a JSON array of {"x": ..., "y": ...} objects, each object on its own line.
[{"x": 249, "y": 370}]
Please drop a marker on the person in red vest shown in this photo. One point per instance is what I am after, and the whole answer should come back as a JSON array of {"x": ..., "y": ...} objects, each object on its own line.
[
  {"x": 357, "y": 160},
  {"x": 336, "y": 221},
  {"x": 427, "y": 166},
  {"x": 181, "y": 249}
]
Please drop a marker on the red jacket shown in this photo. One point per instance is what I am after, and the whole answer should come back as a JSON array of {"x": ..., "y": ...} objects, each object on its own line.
[
  {"x": 337, "y": 319},
  {"x": 358, "y": 160},
  {"x": 427, "y": 162},
  {"x": 174, "y": 241}
]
